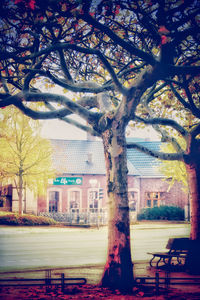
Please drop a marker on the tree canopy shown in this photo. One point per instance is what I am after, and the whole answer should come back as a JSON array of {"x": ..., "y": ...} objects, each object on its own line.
[{"x": 101, "y": 47}]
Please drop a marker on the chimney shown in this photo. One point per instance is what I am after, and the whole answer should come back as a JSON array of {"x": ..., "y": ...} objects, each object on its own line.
[{"x": 89, "y": 158}]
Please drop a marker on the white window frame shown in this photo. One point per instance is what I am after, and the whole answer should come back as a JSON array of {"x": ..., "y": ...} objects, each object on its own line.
[
  {"x": 99, "y": 200},
  {"x": 52, "y": 189},
  {"x": 75, "y": 189}
]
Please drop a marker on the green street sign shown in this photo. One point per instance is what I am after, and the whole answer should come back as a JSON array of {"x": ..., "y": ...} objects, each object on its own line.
[{"x": 68, "y": 181}]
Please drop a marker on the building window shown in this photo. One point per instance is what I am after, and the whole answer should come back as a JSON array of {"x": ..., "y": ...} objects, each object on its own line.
[
  {"x": 132, "y": 198},
  {"x": 53, "y": 201},
  {"x": 93, "y": 200},
  {"x": 74, "y": 200},
  {"x": 152, "y": 199},
  {"x": 95, "y": 196}
]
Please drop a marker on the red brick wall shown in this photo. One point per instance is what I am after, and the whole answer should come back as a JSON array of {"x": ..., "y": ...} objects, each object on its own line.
[{"x": 175, "y": 196}]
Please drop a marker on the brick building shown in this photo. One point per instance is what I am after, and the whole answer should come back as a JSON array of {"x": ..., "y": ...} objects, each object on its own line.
[
  {"x": 80, "y": 186},
  {"x": 79, "y": 190}
]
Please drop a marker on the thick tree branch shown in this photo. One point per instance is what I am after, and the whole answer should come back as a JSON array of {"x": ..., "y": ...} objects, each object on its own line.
[
  {"x": 195, "y": 131},
  {"x": 64, "y": 66},
  {"x": 181, "y": 70},
  {"x": 70, "y": 105},
  {"x": 74, "y": 122},
  {"x": 67, "y": 46},
  {"x": 79, "y": 87},
  {"x": 164, "y": 122},
  {"x": 156, "y": 154}
]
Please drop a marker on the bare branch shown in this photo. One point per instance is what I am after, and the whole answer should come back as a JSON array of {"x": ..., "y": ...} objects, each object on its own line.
[
  {"x": 156, "y": 154},
  {"x": 130, "y": 48},
  {"x": 164, "y": 122}
]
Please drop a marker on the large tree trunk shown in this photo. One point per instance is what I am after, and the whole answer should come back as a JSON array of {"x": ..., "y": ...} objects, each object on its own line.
[
  {"x": 118, "y": 272},
  {"x": 192, "y": 162},
  {"x": 193, "y": 171}
]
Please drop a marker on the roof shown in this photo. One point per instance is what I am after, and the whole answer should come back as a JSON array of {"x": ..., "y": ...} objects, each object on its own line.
[
  {"x": 146, "y": 164},
  {"x": 87, "y": 157}
]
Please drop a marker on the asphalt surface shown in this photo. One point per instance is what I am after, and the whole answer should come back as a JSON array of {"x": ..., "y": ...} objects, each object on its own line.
[{"x": 46, "y": 247}]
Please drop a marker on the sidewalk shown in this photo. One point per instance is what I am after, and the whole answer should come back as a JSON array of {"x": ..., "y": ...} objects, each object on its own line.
[{"x": 93, "y": 274}]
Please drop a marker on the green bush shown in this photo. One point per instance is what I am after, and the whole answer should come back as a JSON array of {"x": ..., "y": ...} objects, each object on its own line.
[
  {"x": 162, "y": 213},
  {"x": 25, "y": 220}
]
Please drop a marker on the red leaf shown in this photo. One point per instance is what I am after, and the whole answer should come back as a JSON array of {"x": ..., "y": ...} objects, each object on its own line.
[
  {"x": 164, "y": 39},
  {"x": 31, "y": 4},
  {"x": 163, "y": 30}
]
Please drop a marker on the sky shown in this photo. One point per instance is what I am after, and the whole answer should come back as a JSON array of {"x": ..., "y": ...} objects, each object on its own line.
[{"x": 57, "y": 129}]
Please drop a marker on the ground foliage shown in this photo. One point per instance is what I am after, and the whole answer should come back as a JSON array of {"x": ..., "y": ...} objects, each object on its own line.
[
  {"x": 162, "y": 213},
  {"x": 25, "y": 220},
  {"x": 92, "y": 292}
]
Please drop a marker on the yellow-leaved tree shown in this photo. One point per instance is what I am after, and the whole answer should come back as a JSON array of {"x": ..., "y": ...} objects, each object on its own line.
[
  {"x": 175, "y": 171},
  {"x": 26, "y": 157}
]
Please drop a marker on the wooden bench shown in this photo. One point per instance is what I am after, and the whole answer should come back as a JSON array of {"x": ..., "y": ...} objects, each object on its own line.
[{"x": 177, "y": 253}]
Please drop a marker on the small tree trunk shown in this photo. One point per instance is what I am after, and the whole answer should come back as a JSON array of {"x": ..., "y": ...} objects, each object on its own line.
[
  {"x": 20, "y": 194},
  {"x": 118, "y": 272}
]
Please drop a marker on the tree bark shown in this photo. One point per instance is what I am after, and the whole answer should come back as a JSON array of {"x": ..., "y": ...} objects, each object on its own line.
[
  {"x": 192, "y": 163},
  {"x": 193, "y": 171},
  {"x": 118, "y": 271},
  {"x": 193, "y": 258},
  {"x": 20, "y": 194}
]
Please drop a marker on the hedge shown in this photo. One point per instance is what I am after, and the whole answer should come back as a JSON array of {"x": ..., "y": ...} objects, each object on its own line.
[
  {"x": 162, "y": 213},
  {"x": 25, "y": 220}
]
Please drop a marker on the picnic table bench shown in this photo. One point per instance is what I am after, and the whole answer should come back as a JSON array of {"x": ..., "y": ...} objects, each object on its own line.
[{"x": 177, "y": 253}]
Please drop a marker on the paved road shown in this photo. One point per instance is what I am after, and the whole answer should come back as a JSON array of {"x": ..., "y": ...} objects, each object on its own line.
[{"x": 30, "y": 247}]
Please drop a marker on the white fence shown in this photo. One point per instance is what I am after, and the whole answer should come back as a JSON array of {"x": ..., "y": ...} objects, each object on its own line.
[{"x": 81, "y": 218}]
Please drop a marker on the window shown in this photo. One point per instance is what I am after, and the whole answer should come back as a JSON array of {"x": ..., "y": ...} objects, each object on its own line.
[
  {"x": 132, "y": 198},
  {"x": 74, "y": 201},
  {"x": 93, "y": 200},
  {"x": 152, "y": 199},
  {"x": 53, "y": 201}
]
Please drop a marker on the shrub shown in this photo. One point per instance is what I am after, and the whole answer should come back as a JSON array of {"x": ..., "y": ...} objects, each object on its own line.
[
  {"x": 25, "y": 220},
  {"x": 162, "y": 213}
]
